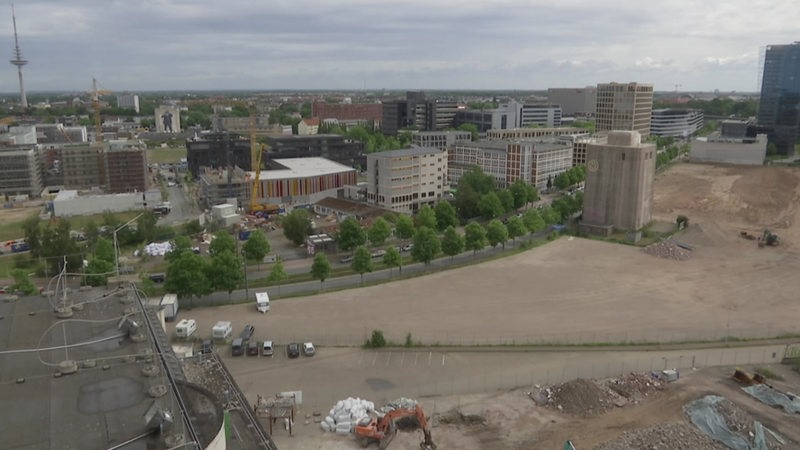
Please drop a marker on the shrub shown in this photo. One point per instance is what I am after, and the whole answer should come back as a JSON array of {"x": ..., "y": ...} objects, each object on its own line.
[
  {"x": 409, "y": 341},
  {"x": 376, "y": 340}
]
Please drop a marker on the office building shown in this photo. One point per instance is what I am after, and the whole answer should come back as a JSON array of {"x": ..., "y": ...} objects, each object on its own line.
[
  {"x": 301, "y": 181},
  {"x": 440, "y": 139},
  {"x": 348, "y": 112},
  {"x": 580, "y": 142},
  {"x": 779, "y": 107},
  {"x": 578, "y": 102},
  {"x": 511, "y": 115},
  {"x": 419, "y": 113},
  {"x": 619, "y": 184},
  {"x": 20, "y": 171},
  {"x": 624, "y": 107},
  {"x": 394, "y": 117},
  {"x": 677, "y": 123},
  {"x": 128, "y": 101},
  {"x": 404, "y": 180},
  {"x": 217, "y": 150},
  {"x": 533, "y": 133},
  {"x": 718, "y": 148}
]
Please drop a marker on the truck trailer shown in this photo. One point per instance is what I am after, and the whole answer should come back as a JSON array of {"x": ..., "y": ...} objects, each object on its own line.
[{"x": 170, "y": 305}]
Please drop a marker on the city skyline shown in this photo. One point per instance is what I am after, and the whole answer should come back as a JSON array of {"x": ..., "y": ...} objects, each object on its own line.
[{"x": 356, "y": 44}]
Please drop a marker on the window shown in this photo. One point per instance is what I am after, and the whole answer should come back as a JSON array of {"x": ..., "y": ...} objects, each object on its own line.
[{"x": 623, "y": 156}]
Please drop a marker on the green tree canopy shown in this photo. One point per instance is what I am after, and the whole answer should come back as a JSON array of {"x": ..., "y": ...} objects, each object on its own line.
[
  {"x": 392, "y": 258},
  {"x": 321, "y": 267},
  {"x": 474, "y": 237},
  {"x": 222, "y": 242},
  {"x": 519, "y": 192},
  {"x": 296, "y": 226},
  {"x": 225, "y": 271},
  {"x": 490, "y": 206},
  {"x": 104, "y": 250},
  {"x": 404, "y": 227},
  {"x": 496, "y": 233},
  {"x": 146, "y": 226},
  {"x": 187, "y": 275},
  {"x": 278, "y": 273},
  {"x": 516, "y": 228},
  {"x": 22, "y": 282},
  {"x": 445, "y": 215},
  {"x": 98, "y": 271},
  {"x": 350, "y": 235},
  {"x": 533, "y": 220},
  {"x": 550, "y": 215},
  {"x": 379, "y": 231},
  {"x": 506, "y": 199},
  {"x": 426, "y": 217},
  {"x": 426, "y": 245},
  {"x": 179, "y": 245},
  {"x": 362, "y": 261},
  {"x": 452, "y": 242},
  {"x": 471, "y": 128},
  {"x": 256, "y": 247}
]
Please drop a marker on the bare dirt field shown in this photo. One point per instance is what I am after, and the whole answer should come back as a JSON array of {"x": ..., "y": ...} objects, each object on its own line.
[{"x": 572, "y": 290}]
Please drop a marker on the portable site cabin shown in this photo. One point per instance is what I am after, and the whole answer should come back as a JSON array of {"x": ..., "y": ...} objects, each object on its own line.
[{"x": 262, "y": 301}]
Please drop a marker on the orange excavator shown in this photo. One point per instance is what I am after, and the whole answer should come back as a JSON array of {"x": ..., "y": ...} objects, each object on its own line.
[{"x": 382, "y": 429}]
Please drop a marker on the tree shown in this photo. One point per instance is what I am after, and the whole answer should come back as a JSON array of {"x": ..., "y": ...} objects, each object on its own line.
[
  {"x": 452, "y": 242},
  {"x": 256, "y": 247},
  {"x": 350, "y": 235},
  {"x": 22, "y": 282},
  {"x": 519, "y": 192},
  {"x": 471, "y": 128},
  {"x": 187, "y": 275},
  {"x": 515, "y": 228},
  {"x": 56, "y": 244},
  {"x": 392, "y": 258},
  {"x": 426, "y": 217},
  {"x": 533, "y": 220},
  {"x": 146, "y": 226},
  {"x": 549, "y": 215},
  {"x": 192, "y": 227},
  {"x": 98, "y": 271},
  {"x": 104, "y": 250},
  {"x": 321, "y": 268},
  {"x": 490, "y": 206},
  {"x": 179, "y": 245},
  {"x": 496, "y": 233},
  {"x": 222, "y": 242},
  {"x": 472, "y": 185},
  {"x": 445, "y": 215},
  {"x": 33, "y": 234},
  {"x": 278, "y": 274},
  {"x": 426, "y": 245},
  {"x": 379, "y": 231},
  {"x": 362, "y": 261},
  {"x": 561, "y": 181},
  {"x": 404, "y": 227},
  {"x": 225, "y": 271},
  {"x": 506, "y": 199},
  {"x": 474, "y": 237},
  {"x": 296, "y": 226}
]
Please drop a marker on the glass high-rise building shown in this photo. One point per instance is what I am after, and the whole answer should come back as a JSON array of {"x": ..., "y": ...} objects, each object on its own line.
[{"x": 779, "y": 108}]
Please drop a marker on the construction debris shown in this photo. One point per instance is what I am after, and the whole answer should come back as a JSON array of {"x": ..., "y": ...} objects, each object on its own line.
[{"x": 669, "y": 249}]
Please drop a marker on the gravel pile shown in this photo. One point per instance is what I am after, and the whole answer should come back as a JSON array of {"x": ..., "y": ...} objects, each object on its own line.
[
  {"x": 668, "y": 436},
  {"x": 742, "y": 423},
  {"x": 669, "y": 250}
]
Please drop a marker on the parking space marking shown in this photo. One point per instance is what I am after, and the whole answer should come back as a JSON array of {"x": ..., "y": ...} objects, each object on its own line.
[
  {"x": 388, "y": 358},
  {"x": 430, "y": 356},
  {"x": 360, "y": 357},
  {"x": 402, "y": 358},
  {"x": 374, "y": 358},
  {"x": 416, "y": 355},
  {"x": 443, "y": 355}
]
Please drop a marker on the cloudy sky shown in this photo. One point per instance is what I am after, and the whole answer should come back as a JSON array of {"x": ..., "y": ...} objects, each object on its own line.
[{"x": 145, "y": 45}]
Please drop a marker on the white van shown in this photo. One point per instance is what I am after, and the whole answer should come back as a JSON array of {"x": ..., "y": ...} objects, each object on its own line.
[
  {"x": 266, "y": 349},
  {"x": 185, "y": 328},
  {"x": 262, "y": 301},
  {"x": 222, "y": 330}
]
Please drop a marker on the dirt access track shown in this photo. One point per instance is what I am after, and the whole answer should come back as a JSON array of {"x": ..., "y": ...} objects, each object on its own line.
[{"x": 570, "y": 290}]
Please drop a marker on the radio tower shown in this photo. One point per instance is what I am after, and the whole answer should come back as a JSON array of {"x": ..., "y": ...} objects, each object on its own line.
[{"x": 19, "y": 62}]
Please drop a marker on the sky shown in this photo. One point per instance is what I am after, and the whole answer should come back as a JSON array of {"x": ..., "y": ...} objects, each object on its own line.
[{"x": 150, "y": 45}]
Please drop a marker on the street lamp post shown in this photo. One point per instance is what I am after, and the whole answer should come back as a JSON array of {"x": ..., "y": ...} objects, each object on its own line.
[
  {"x": 244, "y": 263},
  {"x": 116, "y": 245}
]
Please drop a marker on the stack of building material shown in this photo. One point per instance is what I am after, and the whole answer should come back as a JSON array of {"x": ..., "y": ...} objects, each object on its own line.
[
  {"x": 157, "y": 248},
  {"x": 343, "y": 417}
]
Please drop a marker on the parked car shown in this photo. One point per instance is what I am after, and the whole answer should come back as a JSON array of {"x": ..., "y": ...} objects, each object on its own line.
[
  {"x": 267, "y": 349},
  {"x": 252, "y": 348},
  {"x": 347, "y": 259},
  {"x": 247, "y": 333},
  {"x": 237, "y": 348},
  {"x": 408, "y": 247},
  {"x": 207, "y": 346},
  {"x": 308, "y": 349},
  {"x": 378, "y": 253},
  {"x": 293, "y": 350}
]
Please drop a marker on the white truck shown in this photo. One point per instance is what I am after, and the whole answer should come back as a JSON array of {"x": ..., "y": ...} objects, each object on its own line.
[
  {"x": 222, "y": 330},
  {"x": 262, "y": 301},
  {"x": 170, "y": 305}
]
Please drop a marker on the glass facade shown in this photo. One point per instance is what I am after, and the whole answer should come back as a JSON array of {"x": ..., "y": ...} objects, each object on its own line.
[{"x": 779, "y": 108}]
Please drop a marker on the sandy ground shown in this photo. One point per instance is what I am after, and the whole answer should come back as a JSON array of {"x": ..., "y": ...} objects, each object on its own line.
[{"x": 571, "y": 290}]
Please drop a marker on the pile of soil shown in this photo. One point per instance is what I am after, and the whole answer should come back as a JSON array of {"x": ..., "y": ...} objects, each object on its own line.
[
  {"x": 635, "y": 386},
  {"x": 668, "y": 249},
  {"x": 580, "y": 397},
  {"x": 742, "y": 423}
]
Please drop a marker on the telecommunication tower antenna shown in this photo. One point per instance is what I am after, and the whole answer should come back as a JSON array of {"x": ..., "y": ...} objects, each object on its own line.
[{"x": 19, "y": 61}]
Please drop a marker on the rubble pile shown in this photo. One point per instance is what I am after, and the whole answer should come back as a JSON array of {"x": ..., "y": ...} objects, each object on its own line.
[
  {"x": 668, "y": 249},
  {"x": 580, "y": 397},
  {"x": 400, "y": 403},
  {"x": 668, "y": 436},
  {"x": 634, "y": 386},
  {"x": 344, "y": 416}
]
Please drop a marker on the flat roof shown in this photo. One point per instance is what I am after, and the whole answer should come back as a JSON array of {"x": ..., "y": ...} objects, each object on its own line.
[
  {"x": 411, "y": 151},
  {"x": 301, "y": 168}
]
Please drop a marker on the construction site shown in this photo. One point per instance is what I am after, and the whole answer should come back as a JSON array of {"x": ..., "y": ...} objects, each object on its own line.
[{"x": 699, "y": 315}]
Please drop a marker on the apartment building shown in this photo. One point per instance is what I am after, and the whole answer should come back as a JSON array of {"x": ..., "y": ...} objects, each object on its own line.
[
  {"x": 404, "y": 180},
  {"x": 534, "y": 133},
  {"x": 624, "y": 107},
  {"x": 580, "y": 143},
  {"x": 126, "y": 166},
  {"x": 128, "y": 101}
]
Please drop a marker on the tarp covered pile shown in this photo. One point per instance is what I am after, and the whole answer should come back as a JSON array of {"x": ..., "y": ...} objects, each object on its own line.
[{"x": 344, "y": 416}]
